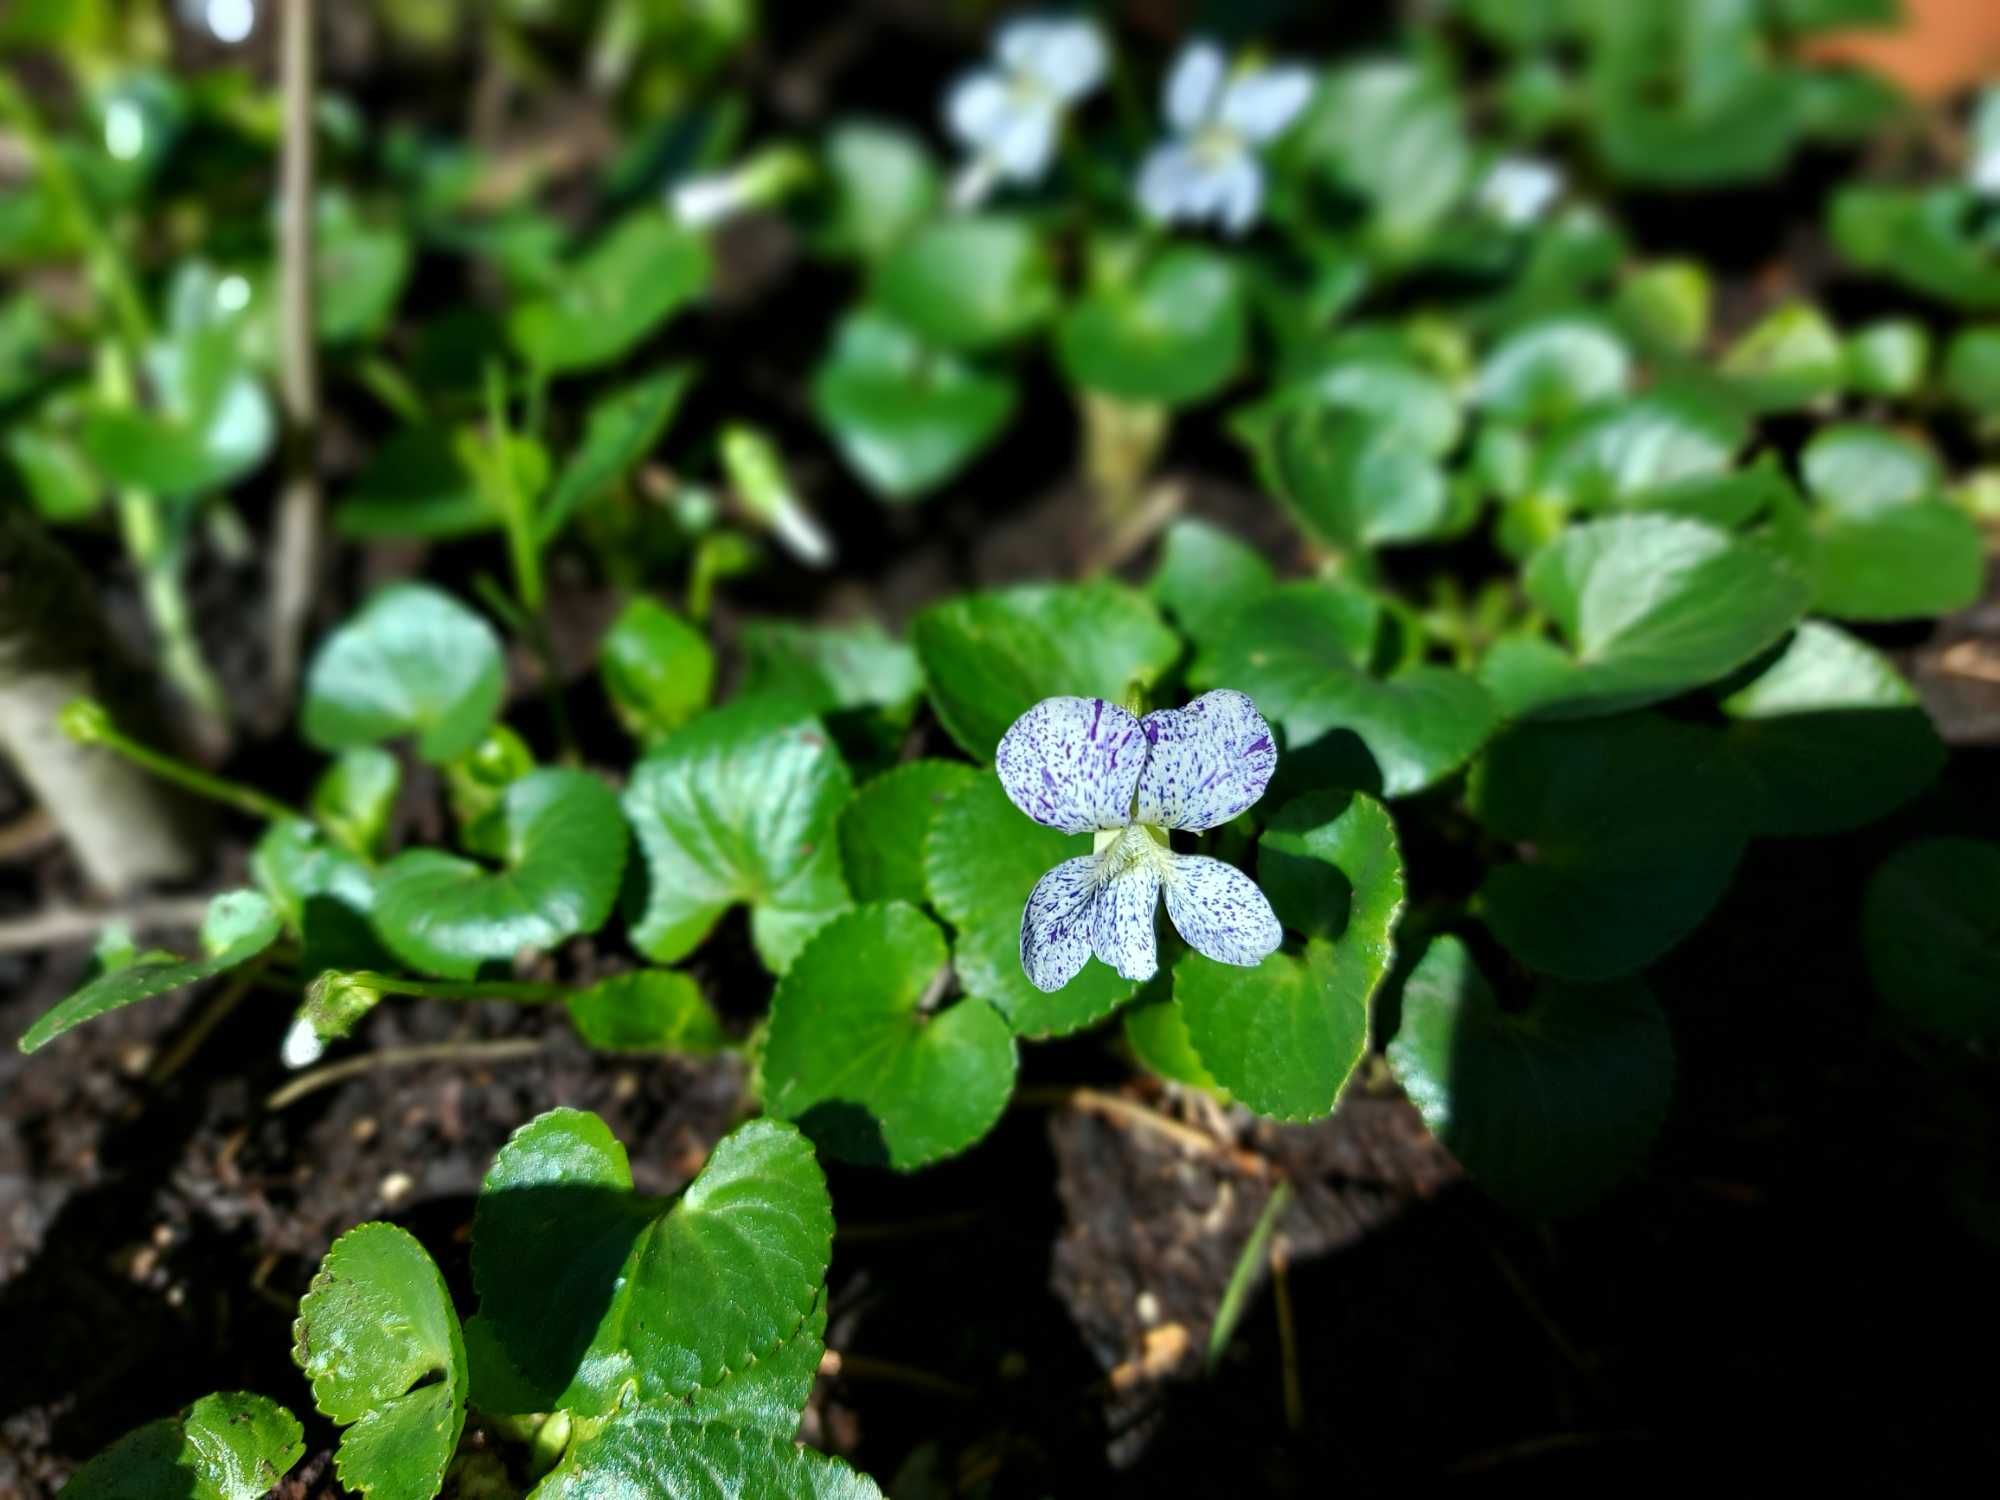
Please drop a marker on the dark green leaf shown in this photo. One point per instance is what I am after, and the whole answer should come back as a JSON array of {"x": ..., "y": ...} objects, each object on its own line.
[
  {"x": 1204, "y": 573},
  {"x": 603, "y": 304},
  {"x": 415, "y": 486},
  {"x": 232, "y": 1446},
  {"x": 1174, "y": 335},
  {"x": 1930, "y": 924},
  {"x": 658, "y": 669},
  {"x": 653, "y": 1010},
  {"x": 882, "y": 831},
  {"x": 829, "y": 667},
  {"x": 883, "y": 185},
  {"x": 619, "y": 431},
  {"x": 969, "y": 283}
]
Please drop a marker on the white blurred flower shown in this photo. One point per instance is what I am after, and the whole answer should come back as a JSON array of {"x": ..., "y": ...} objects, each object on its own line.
[
  {"x": 1519, "y": 190},
  {"x": 1007, "y": 116},
  {"x": 711, "y": 198},
  {"x": 1983, "y": 170},
  {"x": 228, "y": 21},
  {"x": 1210, "y": 171}
]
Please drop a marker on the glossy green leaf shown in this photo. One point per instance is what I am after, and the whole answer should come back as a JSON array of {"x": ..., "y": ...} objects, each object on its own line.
[
  {"x": 1352, "y": 482},
  {"x": 355, "y": 797},
  {"x": 1854, "y": 467},
  {"x": 619, "y": 431},
  {"x": 1391, "y": 132},
  {"x": 53, "y": 470},
  {"x": 1972, "y": 371},
  {"x": 379, "y": 1340},
  {"x": 1652, "y": 606},
  {"x": 905, "y": 416},
  {"x": 883, "y": 185},
  {"x": 739, "y": 806},
  {"x": 768, "y": 1394},
  {"x": 882, "y": 831},
  {"x": 562, "y": 853},
  {"x": 1549, "y": 369},
  {"x": 192, "y": 441},
  {"x": 230, "y": 1446},
  {"x": 1889, "y": 358},
  {"x": 239, "y": 926},
  {"x": 1547, "y": 1106},
  {"x": 653, "y": 1451},
  {"x": 861, "y": 1057},
  {"x": 1297, "y": 652},
  {"x": 413, "y": 660},
  {"x": 1615, "y": 456},
  {"x": 982, "y": 858},
  {"x": 968, "y": 283},
  {"x": 990, "y": 657},
  {"x": 1204, "y": 574},
  {"x": 1284, "y": 1037},
  {"x": 606, "y": 302},
  {"x": 1791, "y": 357},
  {"x": 359, "y": 270},
  {"x": 658, "y": 669},
  {"x": 1629, "y": 830},
  {"x": 1930, "y": 926},
  {"x": 828, "y": 668},
  {"x": 1157, "y": 1033},
  {"x": 326, "y": 894},
  {"x": 589, "y": 1286},
  {"x": 1831, "y": 734},
  {"x": 1174, "y": 334},
  {"x": 652, "y": 1010}
]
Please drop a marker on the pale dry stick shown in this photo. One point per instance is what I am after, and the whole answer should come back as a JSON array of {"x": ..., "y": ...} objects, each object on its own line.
[
  {"x": 296, "y": 542},
  {"x": 500, "y": 1050},
  {"x": 55, "y": 925},
  {"x": 1131, "y": 1112}
]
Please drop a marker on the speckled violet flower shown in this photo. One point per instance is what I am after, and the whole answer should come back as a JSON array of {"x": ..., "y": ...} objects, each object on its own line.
[
  {"x": 1210, "y": 170},
  {"x": 1087, "y": 766},
  {"x": 1008, "y": 116}
]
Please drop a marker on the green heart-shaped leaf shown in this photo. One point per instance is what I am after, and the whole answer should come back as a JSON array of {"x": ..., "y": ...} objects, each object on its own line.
[
  {"x": 1630, "y": 828},
  {"x": 1157, "y": 1033},
  {"x": 656, "y": 1451},
  {"x": 981, "y": 859},
  {"x": 1616, "y": 456},
  {"x": 905, "y": 416},
  {"x": 1174, "y": 335},
  {"x": 1548, "y": 1106},
  {"x": 604, "y": 303},
  {"x": 359, "y": 270},
  {"x": 991, "y": 657},
  {"x": 1298, "y": 650},
  {"x": 1652, "y": 606},
  {"x": 1854, "y": 467},
  {"x": 653, "y": 1010},
  {"x": 562, "y": 847},
  {"x": 658, "y": 669},
  {"x": 1791, "y": 358},
  {"x": 739, "y": 806},
  {"x": 1204, "y": 573},
  {"x": 355, "y": 796},
  {"x": 380, "y": 1342},
  {"x": 1284, "y": 1037},
  {"x": 1549, "y": 369},
  {"x": 883, "y": 830},
  {"x": 619, "y": 431},
  {"x": 1832, "y": 735},
  {"x": 830, "y": 667},
  {"x": 860, "y": 1059},
  {"x": 413, "y": 660},
  {"x": 884, "y": 185},
  {"x": 232, "y": 1446},
  {"x": 589, "y": 1286},
  {"x": 968, "y": 283},
  {"x": 325, "y": 894},
  {"x": 1353, "y": 483},
  {"x": 239, "y": 926},
  {"x": 1930, "y": 925}
]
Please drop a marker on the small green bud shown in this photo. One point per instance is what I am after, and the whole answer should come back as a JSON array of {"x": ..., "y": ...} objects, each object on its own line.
[{"x": 86, "y": 721}]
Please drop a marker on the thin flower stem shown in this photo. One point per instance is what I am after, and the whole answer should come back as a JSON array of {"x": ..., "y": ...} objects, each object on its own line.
[
  {"x": 525, "y": 991},
  {"x": 88, "y": 723}
]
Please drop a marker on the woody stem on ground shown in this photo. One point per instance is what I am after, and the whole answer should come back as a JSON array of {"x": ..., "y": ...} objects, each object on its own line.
[
  {"x": 295, "y": 545},
  {"x": 123, "y": 827}
]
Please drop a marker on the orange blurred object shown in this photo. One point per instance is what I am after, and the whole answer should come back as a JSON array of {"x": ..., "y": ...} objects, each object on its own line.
[{"x": 1942, "y": 48}]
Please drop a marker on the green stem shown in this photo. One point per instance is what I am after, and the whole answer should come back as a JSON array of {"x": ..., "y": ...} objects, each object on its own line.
[
  {"x": 523, "y": 991},
  {"x": 395, "y": 390},
  {"x": 87, "y": 722},
  {"x": 523, "y": 547}
]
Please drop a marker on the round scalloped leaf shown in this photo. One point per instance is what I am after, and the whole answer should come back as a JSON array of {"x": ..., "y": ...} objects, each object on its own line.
[
  {"x": 991, "y": 657},
  {"x": 1618, "y": 455},
  {"x": 658, "y": 669},
  {"x": 858, "y": 1058},
  {"x": 882, "y": 183},
  {"x": 229, "y": 1446},
  {"x": 1546, "y": 370},
  {"x": 1298, "y": 652},
  {"x": 378, "y": 1338},
  {"x": 413, "y": 660},
  {"x": 1204, "y": 573},
  {"x": 882, "y": 831},
  {"x": 652, "y": 1010},
  {"x": 588, "y": 1285},
  {"x": 1930, "y": 924},
  {"x": 1283, "y": 1037},
  {"x": 739, "y": 806},
  {"x": 969, "y": 283},
  {"x": 981, "y": 860},
  {"x": 239, "y": 926},
  {"x": 1831, "y": 734},
  {"x": 562, "y": 853},
  {"x": 606, "y": 301},
  {"x": 657, "y": 1452},
  {"x": 1854, "y": 467},
  {"x": 1631, "y": 826},
  {"x": 1353, "y": 482},
  {"x": 1652, "y": 606},
  {"x": 1547, "y": 1107},
  {"x": 1175, "y": 334},
  {"x": 768, "y": 1394},
  {"x": 828, "y": 668},
  {"x": 904, "y": 415}
]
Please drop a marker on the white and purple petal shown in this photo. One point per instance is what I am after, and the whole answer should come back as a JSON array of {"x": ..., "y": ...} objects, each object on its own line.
[
  {"x": 1194, "y": 86},
  {"x": 1056, "y": 923},
  {"x": 976, "y": 108},
  {"x": 1122, "y": 923},
  {"x": 1073, "y": 763},
  {"x": 1220, "y": 911},
  {"x": 1066, "y": 57},
  {"x": 1206, "y": 763},
  {"x": 1261, "y": 103}
]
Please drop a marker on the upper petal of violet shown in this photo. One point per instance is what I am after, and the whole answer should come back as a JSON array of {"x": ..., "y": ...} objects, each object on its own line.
[
  {"x": 1072, "y": 763},
  {"x": 1207, "y": 763}
]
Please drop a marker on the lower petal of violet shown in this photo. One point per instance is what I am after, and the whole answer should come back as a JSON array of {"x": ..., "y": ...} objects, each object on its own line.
[
  {"x": 1056, "y": 923},
  {"x": 1220, "y": 911},
  {"x": 1121, "y": 929}
]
